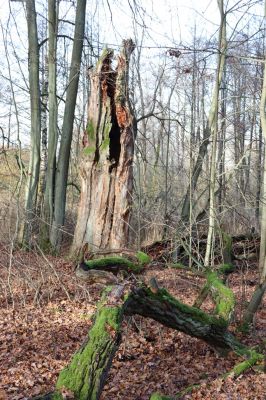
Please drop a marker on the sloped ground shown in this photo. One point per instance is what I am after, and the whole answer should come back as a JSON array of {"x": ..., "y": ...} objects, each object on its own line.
[{"x": 45, "y": 315}]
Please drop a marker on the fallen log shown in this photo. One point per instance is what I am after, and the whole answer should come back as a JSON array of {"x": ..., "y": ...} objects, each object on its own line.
[
  {"x": 85, "y": 376},
  {"x": 92, "y": 276},
  {"x": 118, "y": 263},
  {"x": 221, "y": 294}
]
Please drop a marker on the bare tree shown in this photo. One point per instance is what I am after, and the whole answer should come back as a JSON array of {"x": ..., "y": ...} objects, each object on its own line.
[
  {"x": 67, "y": 128},
  {"x": 213, "y": 126},
  {"x": 35, "y": 136}
]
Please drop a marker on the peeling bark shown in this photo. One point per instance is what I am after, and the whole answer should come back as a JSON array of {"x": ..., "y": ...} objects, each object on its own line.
[{"x": 106, "y": 165}]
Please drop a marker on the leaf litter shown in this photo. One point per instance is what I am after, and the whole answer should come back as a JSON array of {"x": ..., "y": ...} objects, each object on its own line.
[{"x": 46, "y": 313}]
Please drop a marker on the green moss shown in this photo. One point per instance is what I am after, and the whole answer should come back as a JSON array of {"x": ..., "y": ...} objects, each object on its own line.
[
  {"x": 158, "y": 396},
  {"x": 112, "y": 261},
  {"x": 105, "y": 53},
  {"x": 195, "y": 313},
  {"x": 227, "y": 241},
  {"x": 57, "y": 396},
  {"x": 240, "y": 368},
  {"x": 223, "y": 296},
  {"x": 143, "y": 258},
  {"x": 90, "y": 130},
  {"x": 105, "y": 143},
  {"x": 89, "y": 150},
  {"x": 226, "y": 269},
  {"x": 227, "y": 247},
  {"x": 187, "y": 390},
  {"x": 244, "y": 327},
  {"x": 83, "y": 375}
]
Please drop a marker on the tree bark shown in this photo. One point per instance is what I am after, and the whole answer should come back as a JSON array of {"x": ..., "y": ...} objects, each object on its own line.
[
  {"x": 253, "y": 305},
  {"x": 209, "y": 129},
  {"x": 67, "y": 129},
  {"x": 48, "y": 206},
  {"x": 35, "y": 133},
  {"x": 213, "y": 123},
  {"x": 262, "y": 261},
  {"x": 106, "y": 165},
  {"x": 85, "y": 376}
]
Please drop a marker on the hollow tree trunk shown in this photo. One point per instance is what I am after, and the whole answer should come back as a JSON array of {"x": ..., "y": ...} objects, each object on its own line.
[{"x": 106, "y": 165}]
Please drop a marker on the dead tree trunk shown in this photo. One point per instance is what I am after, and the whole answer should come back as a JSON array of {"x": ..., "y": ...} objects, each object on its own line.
[
  {"x": 85, "y": 376},
  {"x": 106, "y": 165}
]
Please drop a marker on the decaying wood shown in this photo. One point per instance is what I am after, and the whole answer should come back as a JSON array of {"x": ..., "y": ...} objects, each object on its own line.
[
  {"x": 95, "y": 276},
  {"x": 106, "y": 164},
  {"x": 86, "y": 374}
]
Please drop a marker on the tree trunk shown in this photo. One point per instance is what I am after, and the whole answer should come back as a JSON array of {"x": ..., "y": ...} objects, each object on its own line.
[
  {"x": 48, "y": 206},
  {"x": 106, "y": 165},
  {"x": 253, "y": 305},
  {"x": 35, "y": 134},
  {"x": 208, "y": 130},
  {"x": 213, "y": 123},
  {"x": 262, "y": 261},
  {"x": 260, "y": 290},
  {"x": 67, "y": 129},
  {"x": 43, "y": 162}
]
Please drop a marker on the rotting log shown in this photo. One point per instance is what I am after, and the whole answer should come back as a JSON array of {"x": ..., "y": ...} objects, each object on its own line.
[
  {"x": 118, "y": 263},
  {"x": 164, "y": 308},
  {"x": 85, "y": 376},
  {"x": 106, "y": 164},
  {"x": 92, "y": 276},
  {"x": 222, "y": 295}
]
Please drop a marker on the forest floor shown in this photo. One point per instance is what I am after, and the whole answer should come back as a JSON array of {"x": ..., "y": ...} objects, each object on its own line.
[{"x": 45, "y": 314}]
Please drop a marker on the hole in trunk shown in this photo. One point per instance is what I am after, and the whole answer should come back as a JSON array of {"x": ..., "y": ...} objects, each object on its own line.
[{"x": 114, "y": 135}]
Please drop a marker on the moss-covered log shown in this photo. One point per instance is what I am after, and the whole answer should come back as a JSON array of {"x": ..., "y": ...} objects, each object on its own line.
[
  {"x": 239, "y": 369},
  {"x": 221, "y": 294},
  {"x": 86, "y": 374},
  {"x": 167, "y": 310},
  {"x": 118, "y": 263}
]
